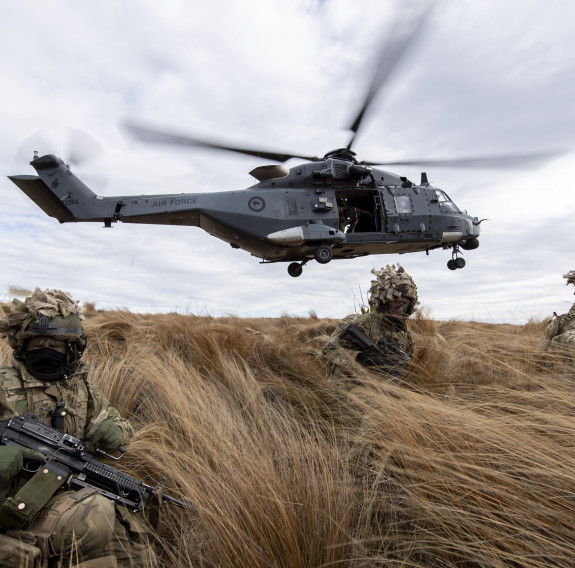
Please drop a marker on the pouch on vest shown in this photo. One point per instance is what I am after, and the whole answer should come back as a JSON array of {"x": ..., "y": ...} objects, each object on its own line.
[
  {"x": 15, "y": 553},
  {"x": 17, "y": 511}
]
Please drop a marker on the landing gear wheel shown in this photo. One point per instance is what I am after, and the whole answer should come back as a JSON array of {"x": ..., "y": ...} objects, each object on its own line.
[
  {"x": 295, "y": 269},
  {"x": 323, "y": 254},
  {"x": 456, "y": 261}
]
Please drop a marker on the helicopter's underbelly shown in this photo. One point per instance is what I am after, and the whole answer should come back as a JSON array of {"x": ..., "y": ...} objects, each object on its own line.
[
  {"x": 389, "y": 247},
  {"x": 283, "y": 248},
  {"x": 344, "y": 250}
]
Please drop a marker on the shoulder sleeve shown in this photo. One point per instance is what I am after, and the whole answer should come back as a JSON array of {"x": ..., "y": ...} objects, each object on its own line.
[
  {"x": 342, "y": 352},
  {"x": 335, "y": 342},
  {"x": 9, "y": 381},
  {"x": 100, "y": 409}
]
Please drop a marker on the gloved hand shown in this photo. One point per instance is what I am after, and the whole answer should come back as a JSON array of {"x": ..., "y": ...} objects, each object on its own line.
[
  {"x": 12, "y": 459},
  {"x": 108, "y": 435}
]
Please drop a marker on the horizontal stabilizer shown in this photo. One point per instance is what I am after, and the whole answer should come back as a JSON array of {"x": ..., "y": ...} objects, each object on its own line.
[{"x": 40, "y": 194}]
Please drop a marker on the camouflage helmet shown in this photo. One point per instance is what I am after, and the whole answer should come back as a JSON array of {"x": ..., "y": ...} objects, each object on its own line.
[
  {"x": 391, "y": 283},
  {"x": 570, "y": 277},
  {"x": 45, "y": 313}
]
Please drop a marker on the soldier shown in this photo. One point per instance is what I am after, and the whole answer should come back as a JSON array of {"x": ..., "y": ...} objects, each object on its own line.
[
  {"x": 560, "y": 332},
  {"x": 82, "y": 527},
  {"x": 392, "y": 299},
  {"x": 349, "y": 216}
]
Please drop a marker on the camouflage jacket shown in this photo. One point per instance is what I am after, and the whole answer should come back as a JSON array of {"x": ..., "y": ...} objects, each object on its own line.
[
  {"x": 85, "y": 405},
  {"x": 561, "y": 329},
  {"x": 381, "y": 329}
]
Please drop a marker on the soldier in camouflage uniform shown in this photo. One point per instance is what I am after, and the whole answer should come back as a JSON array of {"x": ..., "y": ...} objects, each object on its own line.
[
  {"x": 80, "y": 528},
  {"x": 560, "y": 333},
  {"x": 392, "y": 299}
]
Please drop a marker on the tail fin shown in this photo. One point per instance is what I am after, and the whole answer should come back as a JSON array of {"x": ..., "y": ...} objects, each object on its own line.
[{"x": 57, "y": 191}]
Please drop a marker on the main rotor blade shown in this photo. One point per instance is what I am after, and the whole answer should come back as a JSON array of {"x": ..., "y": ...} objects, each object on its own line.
[
  {"x": 510, "y": 161},
  {"x": 154, "y": 136},
  {"x": 404, "y": 33}
]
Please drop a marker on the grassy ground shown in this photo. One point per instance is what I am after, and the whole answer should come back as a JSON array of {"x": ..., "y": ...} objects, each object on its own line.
[{"x": 470, "y": 462}]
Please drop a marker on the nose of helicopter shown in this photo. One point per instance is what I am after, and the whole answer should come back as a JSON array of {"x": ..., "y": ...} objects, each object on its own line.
[{"x": 475, "y": 227}]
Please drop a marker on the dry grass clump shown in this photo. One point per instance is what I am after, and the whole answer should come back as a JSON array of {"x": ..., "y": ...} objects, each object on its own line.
[
  {"x": 482, "y": 480},
  {"x": 454, "y": 354},
  {"x": 469, "y": 461},
  {"x": 236, "y": 420}
]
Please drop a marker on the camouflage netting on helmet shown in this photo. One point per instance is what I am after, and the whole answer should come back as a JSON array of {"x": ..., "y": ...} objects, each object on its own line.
[
  {"x": 391, "y": 283},
  {"x": 64, "y": 314},
  {"x": 570, "y": 276}
]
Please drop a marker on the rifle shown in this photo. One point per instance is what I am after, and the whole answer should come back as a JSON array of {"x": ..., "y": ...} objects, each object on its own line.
[
  {"x": 69, "y": 457},
  {"x": 355, "y": 335}
]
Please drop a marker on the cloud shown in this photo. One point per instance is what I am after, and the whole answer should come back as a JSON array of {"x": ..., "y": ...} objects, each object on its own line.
[{"x": 485, "y": 78}]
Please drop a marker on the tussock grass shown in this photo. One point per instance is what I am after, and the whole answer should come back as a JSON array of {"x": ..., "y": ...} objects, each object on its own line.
[{"x": 470, "y": 460}]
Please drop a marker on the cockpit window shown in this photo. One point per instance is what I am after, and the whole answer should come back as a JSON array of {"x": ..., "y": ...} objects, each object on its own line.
[
  {"x": 403, "y": 204},
  {"x": 445, "y": 203}
]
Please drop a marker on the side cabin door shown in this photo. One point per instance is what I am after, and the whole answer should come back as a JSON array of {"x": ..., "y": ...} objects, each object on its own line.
[
  {"x": 360, "y": 210},
  {"x": 406, "y": 210}
]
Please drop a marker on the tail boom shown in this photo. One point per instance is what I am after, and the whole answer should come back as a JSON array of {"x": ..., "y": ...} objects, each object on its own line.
[{"x": 62, "y": 195}]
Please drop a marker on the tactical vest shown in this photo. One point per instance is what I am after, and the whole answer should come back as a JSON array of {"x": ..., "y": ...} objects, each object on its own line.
[
  {"x": 382, "y": 330},
  {"x": 378, "y": 327},
  {"x": 64, "y": 401}
]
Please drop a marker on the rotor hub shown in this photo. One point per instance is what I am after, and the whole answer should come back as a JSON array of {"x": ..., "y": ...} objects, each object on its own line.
[{"x": 342, "y": 154}]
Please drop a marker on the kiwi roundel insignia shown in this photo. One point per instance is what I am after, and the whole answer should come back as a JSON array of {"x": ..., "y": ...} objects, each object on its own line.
[{"x": 256, "y": 204}]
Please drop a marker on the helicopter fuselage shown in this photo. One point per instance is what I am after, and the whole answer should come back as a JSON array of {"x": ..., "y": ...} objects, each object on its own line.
[{"x": 331, "y": 208}]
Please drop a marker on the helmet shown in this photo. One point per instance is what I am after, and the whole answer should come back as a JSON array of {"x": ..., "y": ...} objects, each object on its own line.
[
  {"x": 570, "y": 277},
  {"x": 49, "y": 313},
  {"x": 392, "y": 282}
]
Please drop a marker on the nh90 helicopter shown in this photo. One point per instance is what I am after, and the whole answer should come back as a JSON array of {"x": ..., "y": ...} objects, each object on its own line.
[{"x": 334, "y": 207}]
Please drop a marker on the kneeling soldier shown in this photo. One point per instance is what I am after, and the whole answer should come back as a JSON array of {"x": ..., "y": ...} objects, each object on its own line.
[{"x": 41, "y": 522}]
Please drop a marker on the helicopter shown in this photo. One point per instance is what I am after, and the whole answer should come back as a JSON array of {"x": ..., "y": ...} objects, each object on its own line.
[{"x": 330, "y": 207}]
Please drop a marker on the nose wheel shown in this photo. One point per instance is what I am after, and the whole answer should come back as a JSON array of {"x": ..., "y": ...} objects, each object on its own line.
[{"x": 456, "y": 261}]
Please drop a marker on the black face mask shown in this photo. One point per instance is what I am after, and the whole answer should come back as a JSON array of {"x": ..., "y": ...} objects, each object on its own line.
[{"x": 45, "y": 363}]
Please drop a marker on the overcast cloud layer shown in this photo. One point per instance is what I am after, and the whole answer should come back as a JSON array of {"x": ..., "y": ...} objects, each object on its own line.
[{"x": 486, "y": 77}]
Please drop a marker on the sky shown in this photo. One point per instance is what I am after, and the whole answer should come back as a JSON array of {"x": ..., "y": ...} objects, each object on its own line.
[{"x": 485, "y": 77}]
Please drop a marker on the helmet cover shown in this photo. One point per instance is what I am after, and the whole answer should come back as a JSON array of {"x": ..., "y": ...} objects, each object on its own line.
[
  {"x": 391, "y": 283},
  {"x": 45, "y": 313}
]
